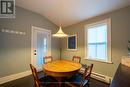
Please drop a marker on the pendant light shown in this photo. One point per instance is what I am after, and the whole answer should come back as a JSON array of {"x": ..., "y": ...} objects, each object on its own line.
[{"x": 60, "y": 33}]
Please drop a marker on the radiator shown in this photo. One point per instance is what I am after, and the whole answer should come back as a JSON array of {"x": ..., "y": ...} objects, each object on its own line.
[{"x": 101, "y": 77}]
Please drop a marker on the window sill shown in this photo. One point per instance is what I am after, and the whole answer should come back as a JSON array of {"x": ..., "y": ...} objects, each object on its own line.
[{"x": 109, "y": 62}]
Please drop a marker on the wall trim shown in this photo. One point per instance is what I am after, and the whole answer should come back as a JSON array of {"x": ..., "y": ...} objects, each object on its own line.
[
  {"x": 14, "y": 76},
  {"x": 101, "y": 77}
]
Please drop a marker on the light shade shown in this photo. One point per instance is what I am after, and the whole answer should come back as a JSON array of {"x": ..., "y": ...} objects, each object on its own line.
[{"x": 60, "y": 34}]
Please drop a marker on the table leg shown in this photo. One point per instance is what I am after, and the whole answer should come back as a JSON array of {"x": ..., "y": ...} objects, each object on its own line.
[{"x": 59, "y": 79}]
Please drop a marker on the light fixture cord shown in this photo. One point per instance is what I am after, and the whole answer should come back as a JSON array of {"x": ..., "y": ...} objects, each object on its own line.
[{"x": 60, "y": 13}]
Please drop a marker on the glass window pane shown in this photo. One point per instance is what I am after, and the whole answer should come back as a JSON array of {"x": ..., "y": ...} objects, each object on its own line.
[
  {"x": 40, "y": 49},
  {"x": 91, "y": 35},
  {"x": 102, "y": 33},
  {"x": 101, "y": 51},
  {"x": 45, "y": 45},
  {"x": 91, "y": 51}
]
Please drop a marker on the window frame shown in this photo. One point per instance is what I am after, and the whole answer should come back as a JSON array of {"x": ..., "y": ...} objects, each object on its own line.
[{"x": 108, "y": 22}]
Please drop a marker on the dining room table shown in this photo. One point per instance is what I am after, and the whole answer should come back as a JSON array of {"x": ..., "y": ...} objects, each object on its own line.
[{"x": 60, "y": 69}]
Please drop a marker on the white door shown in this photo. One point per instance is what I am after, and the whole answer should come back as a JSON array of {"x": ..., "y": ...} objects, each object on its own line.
[{"x": 41, "y": 46}]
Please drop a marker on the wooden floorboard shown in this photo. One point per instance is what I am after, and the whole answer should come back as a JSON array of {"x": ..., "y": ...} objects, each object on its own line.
[{"x": 28, "y": 82}]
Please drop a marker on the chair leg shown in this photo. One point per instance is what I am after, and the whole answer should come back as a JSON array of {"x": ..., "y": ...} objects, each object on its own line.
[{"x": 88, "y": 85}]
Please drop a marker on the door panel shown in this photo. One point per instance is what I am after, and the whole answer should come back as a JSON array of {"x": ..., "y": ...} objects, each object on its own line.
[{"x": 41, "y": 45}]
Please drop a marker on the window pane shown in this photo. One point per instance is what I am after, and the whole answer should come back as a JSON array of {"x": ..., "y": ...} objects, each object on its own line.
[
  {"x": 91, "y": 35},
  {"x": 91, "y": 51},
  {"x": 45, "y": 45},
  {"x": 40, "y": 49},
  {"x": 102, "y": 33},
  {"x": 102, "y": 52}
]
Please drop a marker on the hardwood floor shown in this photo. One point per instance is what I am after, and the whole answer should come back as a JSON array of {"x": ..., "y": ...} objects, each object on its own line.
[{"x": 28, "y": 82}]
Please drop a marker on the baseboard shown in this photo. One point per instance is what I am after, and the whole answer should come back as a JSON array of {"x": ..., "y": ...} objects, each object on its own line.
[
  {"x": 14, "y": 77},
  {"x": 100, "y": 77}
]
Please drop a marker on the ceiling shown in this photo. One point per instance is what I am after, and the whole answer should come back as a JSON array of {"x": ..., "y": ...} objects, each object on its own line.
[{"x": 68, "y": 12}]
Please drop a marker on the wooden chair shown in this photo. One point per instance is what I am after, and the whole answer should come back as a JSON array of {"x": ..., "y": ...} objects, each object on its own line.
[
  {"x": 82, "y": 69},
  {"x": 45, "y": 81},
  {"x": 35, "y": 76},
  {"x": 80, "y": 80},
  {"x": 48, "y": 59},
  {"x": 76, "y": 59}
]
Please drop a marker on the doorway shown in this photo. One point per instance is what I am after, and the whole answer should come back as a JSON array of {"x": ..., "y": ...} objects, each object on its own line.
[{"x": 40, "y": 46}]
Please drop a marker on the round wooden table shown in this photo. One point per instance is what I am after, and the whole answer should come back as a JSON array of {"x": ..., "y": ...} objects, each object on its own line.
[{"x": 61, "y": 68}]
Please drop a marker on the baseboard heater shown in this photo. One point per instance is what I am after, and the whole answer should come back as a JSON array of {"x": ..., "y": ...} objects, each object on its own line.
[{"x": 101, "y": 77}]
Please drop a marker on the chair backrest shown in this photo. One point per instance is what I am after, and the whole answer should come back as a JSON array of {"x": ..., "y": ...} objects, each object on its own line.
[
  {"x": 48, "y": 59},
  {"x": 35, "y": 76},
  {"x": 86, "y": 75},
  {"x": 76, "y": 59},
  {"x": 82, "y": 69}
]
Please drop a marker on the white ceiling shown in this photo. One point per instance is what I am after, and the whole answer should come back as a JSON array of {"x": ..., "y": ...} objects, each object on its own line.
[{"x": 71, "y": 11}]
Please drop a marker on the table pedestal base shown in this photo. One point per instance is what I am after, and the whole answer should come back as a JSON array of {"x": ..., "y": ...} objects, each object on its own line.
[{"x": 60, "y": 81}]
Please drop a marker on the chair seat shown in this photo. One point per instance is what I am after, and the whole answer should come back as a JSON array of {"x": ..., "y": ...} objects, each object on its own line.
[
  {"x": 81, "y": 80},
  {"x": 76, "y": 80},
  {"x": 47, "y": 81},
  {"x": 41, "y": 74}
]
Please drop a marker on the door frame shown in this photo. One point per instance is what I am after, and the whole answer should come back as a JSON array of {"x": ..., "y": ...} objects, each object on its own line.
[{"x": 32, "y": 39}]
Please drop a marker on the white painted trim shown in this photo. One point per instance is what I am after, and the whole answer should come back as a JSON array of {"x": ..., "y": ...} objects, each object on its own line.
[
  {"x": 101, "y": 77},
  {"x": 97, "y": 60},
  {"x": 32, "y": 61},
  {"x": 14, "y": 76},
  {"x": 86, "y": 49},
  {"x": 108, "y": 21},
  {"x": 76, "y": 42},
  {"x": 109, "y": 39},
  {"x": 32, "y": 51}
]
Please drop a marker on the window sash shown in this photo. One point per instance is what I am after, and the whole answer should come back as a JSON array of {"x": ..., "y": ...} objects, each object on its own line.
[
  {"x": 96, "y": 56},
  {"x": 108, "y": 41}
]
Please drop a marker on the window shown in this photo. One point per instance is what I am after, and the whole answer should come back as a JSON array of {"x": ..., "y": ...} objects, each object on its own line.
[{"x": 98, "y": 41}]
